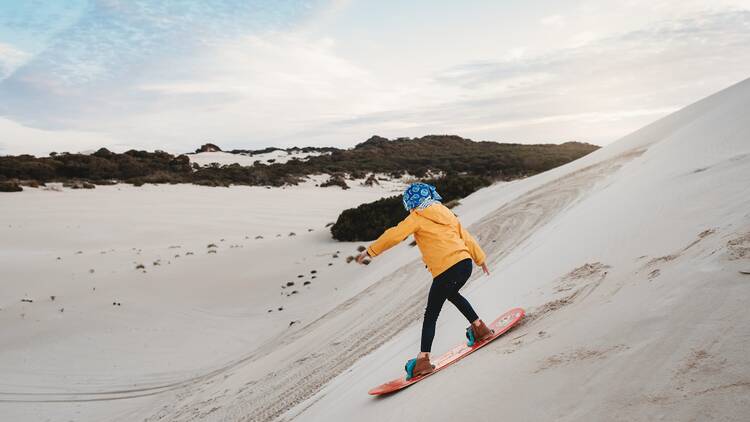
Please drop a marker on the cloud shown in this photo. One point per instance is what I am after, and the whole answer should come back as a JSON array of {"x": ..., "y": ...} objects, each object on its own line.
[
  {"x": 145, "y": 75},
  {"x": 108, "y": 70},
  {"x": 246, "y": 90},
  {"x": 10, "y": 59},
  {"x": 553, "y": 20},
  {"x": 601, "y": 89},
  {"x": 18, "y": 139},
  {"x": 112, "y": 38}
]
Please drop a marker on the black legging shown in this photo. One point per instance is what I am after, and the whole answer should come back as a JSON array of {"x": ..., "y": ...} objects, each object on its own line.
[{"x": 445, "y": 286}]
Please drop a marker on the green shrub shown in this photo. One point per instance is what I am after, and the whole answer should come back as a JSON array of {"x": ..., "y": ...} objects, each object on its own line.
[
  {"x": 10, "y": 187},
  {"x": 368, "y": 221}
]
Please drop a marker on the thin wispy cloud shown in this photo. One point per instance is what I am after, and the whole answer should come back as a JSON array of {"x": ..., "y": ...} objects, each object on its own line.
[
  {"x": 10, "y": 59},
  {"x": 553, "y": 20},
  {"x": 637, "y": 75}
]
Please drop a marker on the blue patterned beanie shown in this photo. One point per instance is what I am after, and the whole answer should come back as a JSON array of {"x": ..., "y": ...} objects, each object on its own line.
[{"x": 420, "y": 195}]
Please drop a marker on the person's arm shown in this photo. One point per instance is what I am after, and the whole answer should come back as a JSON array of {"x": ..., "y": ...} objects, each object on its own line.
[
  {"x": 476, "y": 252},
  {"x": 391, "y": 237}
]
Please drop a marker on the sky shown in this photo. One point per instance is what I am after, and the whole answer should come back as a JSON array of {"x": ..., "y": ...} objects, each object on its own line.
[{"x": 147, "y": 74}]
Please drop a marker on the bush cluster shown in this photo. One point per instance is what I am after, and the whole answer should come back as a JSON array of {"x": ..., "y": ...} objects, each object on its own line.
[
  {"x": 100, "y": 167},
  {"x": 367, "y": 221}
]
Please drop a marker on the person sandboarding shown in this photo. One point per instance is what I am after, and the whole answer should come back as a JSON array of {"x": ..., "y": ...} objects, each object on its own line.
[{"x": 447, "y": 250}]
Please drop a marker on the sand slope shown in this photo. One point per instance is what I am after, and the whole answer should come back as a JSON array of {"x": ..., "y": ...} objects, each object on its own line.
[
  {"x": 214, "y": 263},
  {"x": 626, "y": 260}
]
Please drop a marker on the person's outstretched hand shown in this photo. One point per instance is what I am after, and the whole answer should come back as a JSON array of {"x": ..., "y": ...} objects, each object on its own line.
[
  {"x": 485, "y": 269},
  {"x": 361, "y": 257}
]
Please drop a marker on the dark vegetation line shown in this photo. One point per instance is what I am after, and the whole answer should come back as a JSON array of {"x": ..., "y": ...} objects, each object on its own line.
[
  {"x": 463, "y": 165},
  {"x": 418, "y": 156}
]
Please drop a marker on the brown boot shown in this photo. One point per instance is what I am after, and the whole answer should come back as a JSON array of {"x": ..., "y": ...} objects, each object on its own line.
[
  {"x": 423, "y": 366},
  {"x": 481, "y": 332}
]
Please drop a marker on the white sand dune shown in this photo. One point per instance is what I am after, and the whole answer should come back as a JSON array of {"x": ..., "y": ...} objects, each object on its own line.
[
  {"x": 192, "y": 312},
  {"x": 226, "y": 158},
  {"x": 626, "y": 260}
]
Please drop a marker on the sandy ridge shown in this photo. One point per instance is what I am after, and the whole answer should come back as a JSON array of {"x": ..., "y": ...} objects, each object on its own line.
[{"x": 309, "y": 359}]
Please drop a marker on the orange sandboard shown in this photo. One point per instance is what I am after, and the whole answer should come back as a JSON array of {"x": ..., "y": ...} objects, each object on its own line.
[{"x": 502, "y": 324}]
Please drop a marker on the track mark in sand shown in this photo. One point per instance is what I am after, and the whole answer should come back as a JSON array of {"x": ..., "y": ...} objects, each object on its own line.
[
  {"x": 739, "y": 247},
  {"x": 358, "y": 326},
  {"x": 586, "y": 273},
  {"x": 698, "y": 364},
  {"x": 653, "y": 273},
  {"x": 579, "y": 354},
  {"x": 516, "y": 221},
  {"x": 578, "y": 284},
  {"x": 668, "y": 399},
  {"x": 698, "y": 367},
  {"x": 582, "y": 281}
]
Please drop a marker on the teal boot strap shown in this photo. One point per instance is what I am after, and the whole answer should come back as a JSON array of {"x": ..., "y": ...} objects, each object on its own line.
[
  {"x": 409, "y": 367},
  {"x": 470, "y": 337}
]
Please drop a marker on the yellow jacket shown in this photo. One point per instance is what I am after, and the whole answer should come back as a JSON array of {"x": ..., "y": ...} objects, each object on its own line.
[{"x": 440, "y": 236}]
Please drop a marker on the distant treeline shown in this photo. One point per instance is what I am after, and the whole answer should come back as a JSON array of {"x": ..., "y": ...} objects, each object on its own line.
[
  {"x": 466, "y": 165},
  {"x": 418, "y": 156}
]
